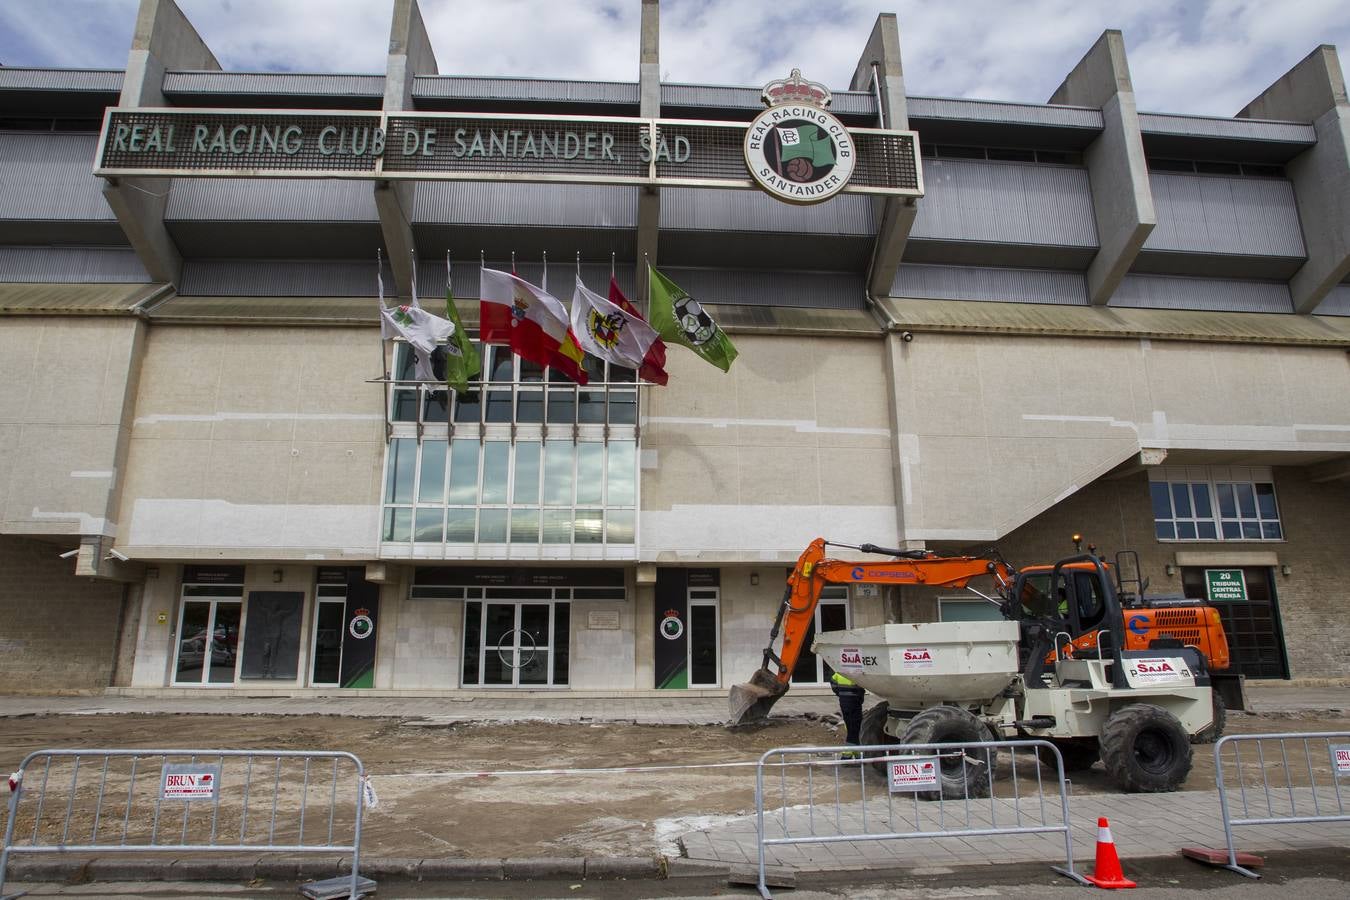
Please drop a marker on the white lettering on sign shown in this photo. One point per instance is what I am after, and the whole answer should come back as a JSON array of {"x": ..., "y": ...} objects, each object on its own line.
[
  {"x": 912, "y": 773},
  {"x": 917, "y": 658},
  {"x": 1340, "y": 759},
  {"x": 1157, "y": 671}
]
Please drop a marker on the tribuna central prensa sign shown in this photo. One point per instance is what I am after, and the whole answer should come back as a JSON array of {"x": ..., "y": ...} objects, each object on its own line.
[{"x": 795, "y": 149}]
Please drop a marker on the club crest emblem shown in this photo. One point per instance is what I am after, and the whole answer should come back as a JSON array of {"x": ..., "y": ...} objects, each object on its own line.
[
  {"x": 606, "y": 328},
  {"x": 795, "y": 150}
]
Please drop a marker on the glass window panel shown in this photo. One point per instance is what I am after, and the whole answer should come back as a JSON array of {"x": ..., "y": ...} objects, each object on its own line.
[
  {"x": 1200, "y": 493},
  {"x": 590, "y": 407},
  {"x": 1186, "y": 531},
  {"x": 589, "y": 526},
  {"x": 524, "y": 526},
  {"x": 1162, "y": 499},
  {"x": 1227, "y": 504},
  {"x": 557, "y": 526},
  {"x": 590, "y": 472},
  {"x": 558, "y": 473},
  {"x": 1265, "y": 501},
  {"x": 1271, "y": 531},
  {"x": 1181, "y": 500},
  {"x": 502, "y": 371},
  {"x": 531, "y": 372},
  {"x": 1207, "y": 531},
  {"x": 224, "y": 643},
  {"x": 459, "y": 526},
  {"x": 437, "y": 407},
  {"x": 621, "y": 473},
  {"x": 429, "y": 529},
  {"x": 405, "y": 406},
  {"x": 530, "y": 406},
  {"x": 492, "y": 526},
  {"x": 526, "y": 490},
  {"x": 562, "y": 407},
  {"x": 1165, "y": 531},
  {"x": 463, "y": 471},
  {"x": 1246, "y": 501},
  {"x": 397, "y": 524},
  {"x": 1251, "y": 531},
  {"x": 496, "y": 463},
  {"x": 192, "y": 641},
  {"x": 623, "y": 407},
  {"x": 1231, "y": 530},
  {"x": 619, "y": 526},
  {"x": 431, "y": 486},
  {"x": 501, "y": 622},
  {"x": 473, "y": 624},
  {"x": 468, "y": 405},
  {"x": 620, "y": 375},
  {"x": 562, "y": 614},
  {"x": 328, "y": 630},
  {"x": 398, "y": 486}
]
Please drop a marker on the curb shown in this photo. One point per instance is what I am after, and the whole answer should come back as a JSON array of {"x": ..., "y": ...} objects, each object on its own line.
[{"x": 282, "y": 867}]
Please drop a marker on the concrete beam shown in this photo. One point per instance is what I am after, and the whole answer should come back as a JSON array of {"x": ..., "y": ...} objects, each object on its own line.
[
  {"x": 1314, "y": 91},
  {"x": 1122, "y": 199},
  {"x": 1334, "y": 470},
  {"x": 895, "y": 216},
  {"x": 163, "y": 39},
  {"x": 410, "y": 55},
  {"x": 649, "y": 106}
]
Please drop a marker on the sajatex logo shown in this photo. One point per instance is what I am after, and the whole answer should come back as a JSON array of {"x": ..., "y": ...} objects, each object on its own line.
[
  {"x": 795, "y": 150},
  {"x": 917, "y": 658},
  {"x": 1149, "y": 670},
  {"x": 851, "y": 659}
]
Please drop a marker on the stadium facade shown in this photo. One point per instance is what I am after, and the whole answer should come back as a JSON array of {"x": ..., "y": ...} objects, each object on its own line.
[{"x": 1007, "y": 323}]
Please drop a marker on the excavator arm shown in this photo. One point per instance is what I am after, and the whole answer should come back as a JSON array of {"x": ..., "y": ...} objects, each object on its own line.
[{"x": 814, "y": 570}]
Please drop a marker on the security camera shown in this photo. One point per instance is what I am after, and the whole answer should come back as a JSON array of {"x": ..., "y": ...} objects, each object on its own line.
[
  {"x": 906, "y": 336},
  {"x": 69, "y": 553},
  {"x": 115, "y": 554}
]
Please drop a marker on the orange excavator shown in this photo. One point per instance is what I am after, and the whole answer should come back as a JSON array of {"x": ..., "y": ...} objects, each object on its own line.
[
  {"x": 753, "y": 700},
  {"x": 1075, "y": 598}
]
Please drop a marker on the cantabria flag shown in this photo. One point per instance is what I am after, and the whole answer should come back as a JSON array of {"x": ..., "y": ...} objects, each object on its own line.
[
  {"x": 529, "y": 319},
  {"x": 805, "y": 141},
  {"x": 680, "y": 318}
]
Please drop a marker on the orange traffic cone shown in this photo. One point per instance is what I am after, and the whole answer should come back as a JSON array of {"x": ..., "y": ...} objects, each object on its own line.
[{"x": 1106, "y": 872}]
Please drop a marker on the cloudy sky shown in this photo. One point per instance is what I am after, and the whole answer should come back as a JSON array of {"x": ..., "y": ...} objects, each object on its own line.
[{"x": 1197, "y": 56}]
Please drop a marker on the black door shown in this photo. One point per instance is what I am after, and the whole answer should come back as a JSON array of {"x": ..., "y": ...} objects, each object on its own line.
[{"x": 1252, "y": 625}]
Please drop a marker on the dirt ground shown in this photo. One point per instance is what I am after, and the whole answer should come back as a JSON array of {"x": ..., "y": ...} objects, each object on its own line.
[{"x": 423, "y": 812}]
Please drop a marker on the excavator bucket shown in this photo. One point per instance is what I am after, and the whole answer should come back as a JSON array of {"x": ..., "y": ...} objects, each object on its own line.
[{"x": 751, "y": 702}]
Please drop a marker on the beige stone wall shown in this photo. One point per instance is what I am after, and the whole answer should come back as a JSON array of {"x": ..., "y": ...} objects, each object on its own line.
[
  {"x": 57, "y": 632},
  {"x": 255, "y": 442},
  {"x": 64, "y": 415}
]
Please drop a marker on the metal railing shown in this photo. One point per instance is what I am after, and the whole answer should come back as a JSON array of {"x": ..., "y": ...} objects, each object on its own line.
[
  {"x": 954, "y": 790},
  {"x": 97, "y": 800},
  {"x": 1284, "y": 778}
]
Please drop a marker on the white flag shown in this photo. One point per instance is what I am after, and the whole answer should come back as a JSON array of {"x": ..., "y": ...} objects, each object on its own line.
[
  {"x": 605, "y": 330},
  {"x": 421, "y": 330}
]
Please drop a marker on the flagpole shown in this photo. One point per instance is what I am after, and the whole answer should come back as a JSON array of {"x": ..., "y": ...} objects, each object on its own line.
[
  {"x": 384, "y": 363},
  {"x": 544, "y": 285},
  {"x": 611, "y": 264},
  {"x": 578, "y": 265}
]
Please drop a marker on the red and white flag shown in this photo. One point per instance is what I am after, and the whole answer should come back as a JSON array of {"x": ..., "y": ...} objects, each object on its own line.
[
  {"x": 653, "y": 367},
  {"x": 605, "y": 330},
  {"x": 530, "y": 320}
]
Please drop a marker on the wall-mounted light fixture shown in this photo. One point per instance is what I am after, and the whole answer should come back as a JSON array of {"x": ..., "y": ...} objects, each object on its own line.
[
  {"x": 1170, "y": 570},
  {"x": 1285, "y": 570},
  {"x": 277, "y": 575},
  {"x": 754, "y": 578}
]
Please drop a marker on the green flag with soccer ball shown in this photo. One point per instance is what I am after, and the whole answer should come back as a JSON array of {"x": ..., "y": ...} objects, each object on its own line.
[{"x": 681, "y": 319}]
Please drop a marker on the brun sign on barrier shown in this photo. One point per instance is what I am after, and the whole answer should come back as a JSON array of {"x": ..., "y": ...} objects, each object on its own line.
[{"x": 187, "y": 802}]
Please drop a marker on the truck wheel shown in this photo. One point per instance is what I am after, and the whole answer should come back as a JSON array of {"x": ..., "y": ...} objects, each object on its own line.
[
  {"x": 872, "y": 732},
  {"x": 1145, "y": 749},
  {"x": 1215, "y": 731},
  {"x": 960, "y": 775},
  {"x": 1078, "y": 754}
]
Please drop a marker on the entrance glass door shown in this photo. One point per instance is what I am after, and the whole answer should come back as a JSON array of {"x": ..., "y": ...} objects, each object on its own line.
[
  {"x": 517, "y": 649},
  {"x": 208, "y": 642},
  {"x": 328, "y": 627},
  {"x": 705, "y": 657}
]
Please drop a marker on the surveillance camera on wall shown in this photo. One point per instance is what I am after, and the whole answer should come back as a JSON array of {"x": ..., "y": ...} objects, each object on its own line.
[
  {"x": 114, "y": 554},
  {"x": 906, "y": 336}
]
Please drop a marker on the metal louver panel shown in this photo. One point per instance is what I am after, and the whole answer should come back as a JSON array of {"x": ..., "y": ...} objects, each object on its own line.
[
  {"x": 102, "y": 80},
  {"x": 1337, "y": 303},
  {"x": 704, "y": 209},
  {"x": 49, "y": 176},
  {"x": 561, "y": 278},
  {"x": 1002, "y": 285},
  {"x": 1004, "y": 113},
  {"x": 272, "y": 83},
  {"x": 447, "y": 87},
  {"x": 282, "y": 278},
  {"x": 1216, "y": 214},
  {"x": 974, "y": 200},
  {"x": 245, "y": 200},
  {"x": 1233, "y": 129},
  {"x": 488, "y": 203},
  {"x": 79, "y": 265},
  {"x": 819, "y": 290},
  {"x": 748, "y": 98},
  {"x": 1210, "y": 294}
]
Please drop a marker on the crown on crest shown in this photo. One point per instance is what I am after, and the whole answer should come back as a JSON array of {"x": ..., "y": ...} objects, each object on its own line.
[{"x": 795, "y": 89}]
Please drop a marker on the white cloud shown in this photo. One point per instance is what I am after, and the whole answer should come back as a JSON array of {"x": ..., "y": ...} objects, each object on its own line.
[{"x": 1186, "y": 56}]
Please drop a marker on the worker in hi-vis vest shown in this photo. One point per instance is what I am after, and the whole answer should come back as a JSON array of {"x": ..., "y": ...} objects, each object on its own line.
[{"x": 850, "y": 709}]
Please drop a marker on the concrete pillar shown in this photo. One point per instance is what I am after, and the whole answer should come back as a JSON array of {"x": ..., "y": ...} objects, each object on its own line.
[
  {"x": 164, "y": 39},
  {"x": 410, "y": 55},
  {"x": 1122, "y": 199},
  {"x": 895, "y": 215},
  {"x": 649, "y": 106},
  {"x": 1314, "y": 91}
]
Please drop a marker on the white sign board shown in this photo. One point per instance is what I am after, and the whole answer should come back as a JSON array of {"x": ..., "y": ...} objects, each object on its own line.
[
  {"x": 190, "y": 781},
  {"x": 850, "y": 661},
  {"x": 602, "y": 620},
  {"x": 1158, "y": 670},
  {"x": 1340, "y": 760},
  {"x": 912, "y": 773},
  {"x": 916, "y": 658}
]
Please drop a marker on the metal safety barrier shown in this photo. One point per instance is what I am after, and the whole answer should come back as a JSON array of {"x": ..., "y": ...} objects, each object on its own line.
[
  {"x": 189, "y": 801},
  {"x": 927, "y": 791},
  {"x": 1282, "y": 779}
]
